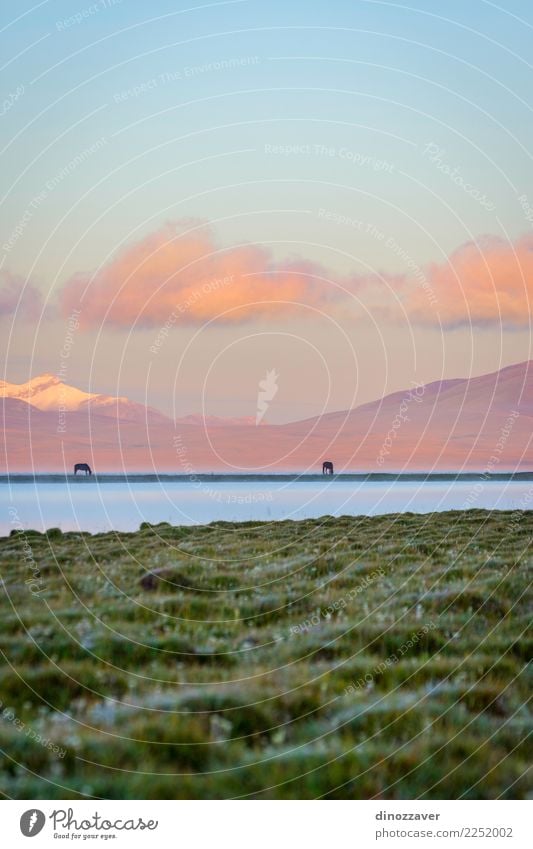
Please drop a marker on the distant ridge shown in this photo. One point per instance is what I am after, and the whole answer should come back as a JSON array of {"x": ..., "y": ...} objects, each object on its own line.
[
  {"x": 215, "y": 421},
  {"x": 476, "y": 424}
]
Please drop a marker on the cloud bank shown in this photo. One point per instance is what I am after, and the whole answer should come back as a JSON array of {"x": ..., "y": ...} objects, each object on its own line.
[
  {"x": 482, "y": 282},
  {"x": 181, "y": 271}
]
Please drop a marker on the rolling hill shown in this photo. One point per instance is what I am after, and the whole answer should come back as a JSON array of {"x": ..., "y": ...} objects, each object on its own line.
[{"x": 463, "y": 424}]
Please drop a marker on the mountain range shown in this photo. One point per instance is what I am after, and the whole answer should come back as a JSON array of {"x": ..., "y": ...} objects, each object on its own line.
[
  {"x": 48, "y": 393},
  {"x": 460, "y": 424}
]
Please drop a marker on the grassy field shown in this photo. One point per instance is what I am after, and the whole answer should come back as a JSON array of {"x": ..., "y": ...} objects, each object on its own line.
[{"x": 341, "y": 658}]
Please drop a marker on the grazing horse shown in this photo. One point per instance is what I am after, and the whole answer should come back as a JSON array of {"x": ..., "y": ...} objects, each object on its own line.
[
  {"x": 327, "y": 467},
  {"x": 82, "y": 467}
]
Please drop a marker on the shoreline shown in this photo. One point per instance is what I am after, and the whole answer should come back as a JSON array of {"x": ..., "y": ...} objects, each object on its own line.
[{"x": 282, "y": 477}]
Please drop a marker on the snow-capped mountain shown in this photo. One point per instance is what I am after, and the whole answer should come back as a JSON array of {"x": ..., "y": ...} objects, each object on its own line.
[
  {"x": 479, "y": 423},
  {"x": 48, "y": 393}
]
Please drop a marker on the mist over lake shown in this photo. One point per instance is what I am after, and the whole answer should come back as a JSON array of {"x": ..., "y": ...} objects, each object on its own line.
[{"x": 123, "y": 505}]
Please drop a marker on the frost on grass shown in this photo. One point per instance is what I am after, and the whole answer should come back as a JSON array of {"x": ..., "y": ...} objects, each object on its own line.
[{"x": 350, "y": 657}]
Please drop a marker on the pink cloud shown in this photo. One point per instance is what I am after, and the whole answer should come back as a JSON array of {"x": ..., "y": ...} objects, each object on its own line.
[
  {"x": 486, "y": 281},
  {"x": 183, "y": 273},
  {"x": 180, "y": 273}
]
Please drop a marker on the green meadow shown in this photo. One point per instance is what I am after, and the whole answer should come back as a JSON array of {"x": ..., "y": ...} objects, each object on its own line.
[{"x": 356, "y": 657}]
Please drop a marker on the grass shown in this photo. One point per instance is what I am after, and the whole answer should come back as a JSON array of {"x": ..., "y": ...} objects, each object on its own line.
[{"x": 358, "y": 657}]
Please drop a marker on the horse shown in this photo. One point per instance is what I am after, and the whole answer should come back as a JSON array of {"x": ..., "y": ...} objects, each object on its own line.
[
  {"x": 82, "y": 467},
  {"x": 327, "y": 467}
]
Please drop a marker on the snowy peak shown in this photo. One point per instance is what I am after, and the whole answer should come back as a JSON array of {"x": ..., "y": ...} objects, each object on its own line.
[
  {"x": 46, "y": 392},
  {"x": 31, "y": 387}
]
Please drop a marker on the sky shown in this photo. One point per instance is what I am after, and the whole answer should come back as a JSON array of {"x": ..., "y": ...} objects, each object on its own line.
[{"x": 195, "y": 195}]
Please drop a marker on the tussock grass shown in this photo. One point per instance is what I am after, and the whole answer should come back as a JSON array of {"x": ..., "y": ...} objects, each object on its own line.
[{"x": 345, "y": 658}]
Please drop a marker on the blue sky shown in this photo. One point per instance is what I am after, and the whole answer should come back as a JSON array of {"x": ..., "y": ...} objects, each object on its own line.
[{"x": 256, "y": 117}]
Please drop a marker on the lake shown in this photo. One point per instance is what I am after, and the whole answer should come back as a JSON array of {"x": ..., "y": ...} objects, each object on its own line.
[{"x": 115, "y": 503}]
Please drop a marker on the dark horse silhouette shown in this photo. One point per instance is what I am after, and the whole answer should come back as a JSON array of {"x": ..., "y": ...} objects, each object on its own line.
[
  {"x": 327, "y": 467},
  {"x": 82, "y": 467}
]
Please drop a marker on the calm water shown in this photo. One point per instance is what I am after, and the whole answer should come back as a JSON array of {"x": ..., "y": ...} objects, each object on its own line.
[{"x": 123, "y": 506}]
